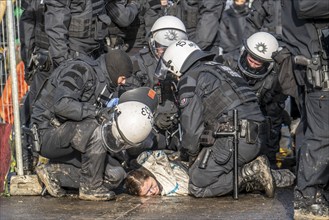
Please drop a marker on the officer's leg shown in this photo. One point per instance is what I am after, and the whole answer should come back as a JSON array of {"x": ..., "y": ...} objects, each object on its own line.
[
  {"x": 27, "y": 152},
  {"x": 114, "y": 173},
  {"x": 214, "y": 179},
  {"x": 28, "y": 156},
  {"x": 92, "y": 170},
  {"x": 56, "y": 147},
  {"x": 313, "y": 161}
]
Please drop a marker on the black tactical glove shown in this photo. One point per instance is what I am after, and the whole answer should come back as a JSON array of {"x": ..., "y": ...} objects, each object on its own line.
[
  {"x": 187, "y": 156},
  {"x": 103, "y": 114},
  {"x": 164, "y": 121}
]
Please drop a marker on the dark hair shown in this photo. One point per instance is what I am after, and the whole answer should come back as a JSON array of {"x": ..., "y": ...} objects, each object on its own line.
[{"x": 135, "y": 180}]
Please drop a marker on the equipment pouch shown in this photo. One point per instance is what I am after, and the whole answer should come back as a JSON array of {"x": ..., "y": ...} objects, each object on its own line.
[
  {"x": 207, "y": 139},
  {"x": 102, "y": 23},
  {"x": 251, "y": 132}
]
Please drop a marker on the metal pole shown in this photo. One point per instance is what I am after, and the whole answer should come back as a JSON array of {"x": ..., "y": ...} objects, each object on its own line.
[
  {"x": 12, "y": 62},
  {"x": 235, "y": 133},
  {"x": 235, "y": 155}
]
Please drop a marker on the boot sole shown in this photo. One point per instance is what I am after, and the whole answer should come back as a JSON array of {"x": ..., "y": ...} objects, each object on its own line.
[
  {"x": 269, "y": 189},
  {"x": 95, "y": 197},
  {"x": 299, "y": 215}
]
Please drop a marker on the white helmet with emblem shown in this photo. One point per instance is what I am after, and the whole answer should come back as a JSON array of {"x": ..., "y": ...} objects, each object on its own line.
[
  {"x": 260, "y": 47},
  {"x": 165, "y": 31}
]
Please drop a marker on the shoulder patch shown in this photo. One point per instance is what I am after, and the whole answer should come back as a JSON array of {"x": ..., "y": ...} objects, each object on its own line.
[{"x": 184, "y": 102}]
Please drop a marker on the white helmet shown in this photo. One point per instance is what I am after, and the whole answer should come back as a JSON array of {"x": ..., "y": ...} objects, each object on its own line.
[
  {"x": 181, "y": 55},
  {"x": 131, "y": 123},
  {"x": 165, "y": 31},
  {"x": 260, "y": 46}
]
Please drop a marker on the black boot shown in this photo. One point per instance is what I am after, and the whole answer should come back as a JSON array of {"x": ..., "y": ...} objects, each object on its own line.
[
  {"x": 257, "y": 176},
  {"x": 310, "y": 207},
  {"x": 51, "y": 183}
]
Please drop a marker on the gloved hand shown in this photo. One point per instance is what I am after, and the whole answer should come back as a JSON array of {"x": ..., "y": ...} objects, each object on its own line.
[
  {"x": 191, "y": 159},
  {"x": 164, "y": 121},
  {"x": 103, "y": 114},
  {"x": 187, "y": 157},
  {"x": 113, "y": 102}
]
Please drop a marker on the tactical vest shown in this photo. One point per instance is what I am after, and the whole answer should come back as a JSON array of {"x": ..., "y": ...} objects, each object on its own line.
[
  {"x": 189, "y": 14},
  {"x": 91, "y": 23},
  {"x": 146, "y": 65},
  {"x": 233, "y": 91}
]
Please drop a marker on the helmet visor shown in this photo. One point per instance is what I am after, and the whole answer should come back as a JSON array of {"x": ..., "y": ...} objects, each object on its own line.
[
  {"x": 113, "y": 143},
  {"x": 252, "y": 70},
  {"x": 161, "y": 69}
]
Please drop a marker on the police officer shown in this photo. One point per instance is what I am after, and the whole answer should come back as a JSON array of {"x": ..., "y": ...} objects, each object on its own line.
[
  {"x": 75, "y": 27},
  {"x": 165, "y": 31},
  {"x": 303, "y": 28},
  {"x": 232, "y": 24},
  {"x": 38, "y": 65},
  {"x": 122, "y": 14},
  {"x": 136, "y": 33},
  {"x": 67, "y": 113},
  {"x": 201, "y": 18},
  {"x": 208, "y": 92},
  {"x": 256, "y": 65}
]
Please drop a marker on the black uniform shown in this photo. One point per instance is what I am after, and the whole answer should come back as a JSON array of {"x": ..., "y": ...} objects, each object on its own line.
[
  {"x": 231, "y": 28},
  {"x": 136, "y": 32},
  {"x": 34, "y": 45},
  {"x": 65, "y": 111},
  {"x": 201, "y": 18},
  {"x": 272, "y": 103},
  {"x": 301, "y": 25},
  {"x": 75, "y": 27},
  {"x": 166, "y": 120},
  {"x": 122, "y": 15},
  {"x": 208, "y": 92},
  {"x": 38, "y": 66}
]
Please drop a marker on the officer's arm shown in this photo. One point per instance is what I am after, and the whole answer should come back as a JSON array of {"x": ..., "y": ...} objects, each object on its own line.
[
  {"x": 75, "y": 87},
  {"x": 121, "y": 13},
  {"x": 210, "y": 14},
  {"x": 192, "y": 123},
  {"x": 225, "y": 35},
  {"x": 27, "y": 27},
  {"x": 316, "y": 9},
  {"x": 57, "y": 21}
]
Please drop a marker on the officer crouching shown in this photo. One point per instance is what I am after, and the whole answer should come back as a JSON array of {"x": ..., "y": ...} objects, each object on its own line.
[
  {"x": 208, "y": 92},
  {"x": 69, "y": 112}
]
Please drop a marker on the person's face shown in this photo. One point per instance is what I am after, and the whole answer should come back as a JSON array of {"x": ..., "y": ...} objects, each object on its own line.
[
  {"x": 253, "y": 63},
  {"x": 150, "y": 187},
  {"x": 121, "y": 80},
  {"x": 240, "y": 2},
  {"x": 159, "y": 51}
]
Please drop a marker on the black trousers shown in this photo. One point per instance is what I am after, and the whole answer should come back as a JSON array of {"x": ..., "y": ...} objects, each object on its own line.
[
  {"x": 313, "y": 153},
  {"x": 79, "y": 144},
  {"x": 217, "y": 178}
]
